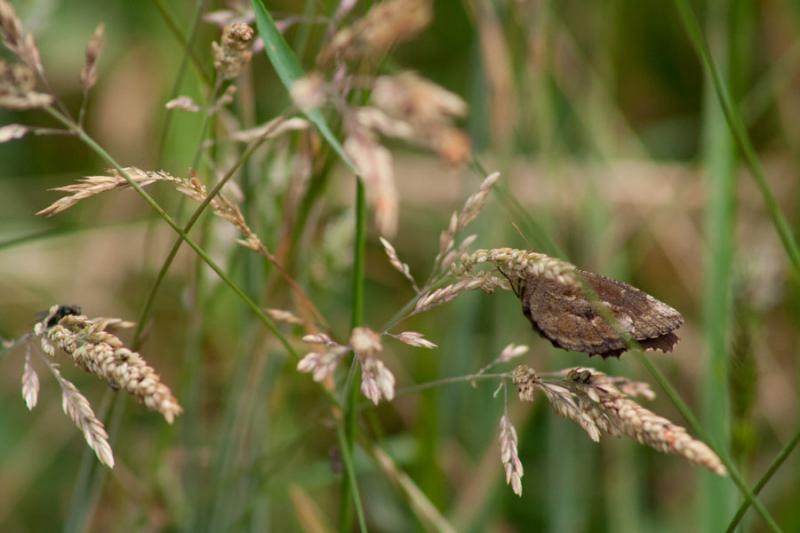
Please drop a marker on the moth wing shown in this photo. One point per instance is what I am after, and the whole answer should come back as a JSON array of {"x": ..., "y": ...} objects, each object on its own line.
[
  {"x": 647, "y": 317},
  {"x": 570, "y": 320}
]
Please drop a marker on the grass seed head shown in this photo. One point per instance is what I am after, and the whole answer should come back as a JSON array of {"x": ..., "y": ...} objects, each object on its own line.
[
  {"x": 234, "y": 51},
  {"x": 93, "y": 346},
  {"x": 384, "y": 25}
]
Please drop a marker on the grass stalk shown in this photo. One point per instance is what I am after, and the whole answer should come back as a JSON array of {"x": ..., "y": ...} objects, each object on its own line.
[
  {"x": 187, "y": 227},
  {"x": 719, "y": 163},
  {"x": 103, "y": 154},
  {"x": 784, "y": 454},
  {"x": 739, "y": 132},
  {"x": 700, "y": 431},
  {"x": 349, "y": 483}
]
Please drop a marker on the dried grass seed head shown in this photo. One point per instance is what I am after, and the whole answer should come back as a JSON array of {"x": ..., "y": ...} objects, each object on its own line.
[
  {"x": 13, "y": 131},
  {"x": 377, "y": 381},
  {"x": 485, "y": 281},
  {"x": 322, "y": 365},
  {"x": 510, "y": 456},
  {"x": 79, "y": 410},
  {"x": 30, "y": 381},
  {"x": 384, "y": 25},
  {"x": 591, "y": 399},
  {"x": 19, "y": 43},
  {"x": 234, "y": 51},
  {"x": 375, "y": 166},
  {"x": 309, "y": 91},
  {"x": 526, "y": 380},
  {"x": 412, "y": 98},
  {"x": 284, "y": 317},
  {"x": 89, "y": 70},
  {"x": 518, "y": 265},
  {"x": 92, "y": 345},
  {"x": 17, "y": 83},
  {"x": 413, "y": 338},
  {"x": 183, "y": 103},
  {"x": 365, "y": 342},
  {"x": 412, "y": 108}
]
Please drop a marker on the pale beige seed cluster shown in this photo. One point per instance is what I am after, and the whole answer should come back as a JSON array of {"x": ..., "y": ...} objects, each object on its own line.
[
  {"x": 93, "y": 185},
  {"x": 484, "y": 281},
  {"x": 395, "y": 261},
  {"x": 16, "y": 40},
  {"x": 519, "y": 264},
  {"x": 461, "y": 219},
  {"x": 89, "y": 70},
  {"x": 384, "y": 25},
  {"x": 598, "y": 404},
  {"x": 509, "y": 455},
  {"x": 235, "y": 50},
  {"x": 93, "y": 347},
  {"x": 222, "y": 206},
  {"x": 409, "y": 107},
  {"x": 17, "y": 84},
  {"x": 78, "y": 409}
]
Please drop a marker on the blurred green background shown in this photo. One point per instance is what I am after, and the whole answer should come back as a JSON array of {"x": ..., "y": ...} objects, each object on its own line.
[{"x": 605, "y": 129}]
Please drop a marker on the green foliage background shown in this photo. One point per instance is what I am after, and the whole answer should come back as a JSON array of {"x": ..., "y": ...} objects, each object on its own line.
[{"x": 610, "y": 137}]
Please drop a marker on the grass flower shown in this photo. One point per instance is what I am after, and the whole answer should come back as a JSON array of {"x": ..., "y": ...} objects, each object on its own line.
[
  {"x": 600, "y": 406},
  {"x": 509, "y": 455},
  {"x": 92, "y": 345},
  {"x": 234, "y": 51}
]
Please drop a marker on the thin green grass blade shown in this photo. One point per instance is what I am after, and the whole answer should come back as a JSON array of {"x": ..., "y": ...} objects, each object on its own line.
[
  {"x": 739, "y": 132},
  {"x": 289, "y": 71},
  {"x": 719, "y": 162},
  {"x": 784, "y": 454}
]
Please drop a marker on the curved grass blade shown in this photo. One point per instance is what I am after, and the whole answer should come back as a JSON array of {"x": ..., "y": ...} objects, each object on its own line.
[{"x": 289, "y": 71}]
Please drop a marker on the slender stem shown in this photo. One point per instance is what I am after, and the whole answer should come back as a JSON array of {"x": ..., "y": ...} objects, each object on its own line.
[
  {"x": 684, "y": 410},
  {"x": 192, "y": 220},
  {"x": 101, "y": 152},
  {"x": 186, "y": 43},
  {"x": 448, "y": 381},
  {"x": 784, "y": 454},
  {"x": 351, "y": 392},
  {"x": 739, "y": 132},
  {"x": 703, "y": 434},
  {"x": 350, "y": 478},
  {"x": 719, "y": 159}
]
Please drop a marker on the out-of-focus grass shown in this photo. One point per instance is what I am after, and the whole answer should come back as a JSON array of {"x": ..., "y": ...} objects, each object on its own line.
[{"x": 252, "y": 426}]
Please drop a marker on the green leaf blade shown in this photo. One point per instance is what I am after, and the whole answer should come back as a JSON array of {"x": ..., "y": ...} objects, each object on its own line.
[{"x": 289, "y": 71}]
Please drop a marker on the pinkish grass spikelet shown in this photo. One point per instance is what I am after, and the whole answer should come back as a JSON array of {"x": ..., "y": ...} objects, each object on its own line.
[
  {"x": 512, "y": 351},
  {"x": 394, "y": 260},
  {"x": 386, "y": 24},
  {"x": 183, "y": 103},
  {"x": 377, "y": 381},
  {"x": 12, "y": 131},
  {"x": 283, "y": 316},
  {"x": 413, "y": 338},
  {"x": 30, "y": 381},
  {"x": 509, "y": 455},
  {"x": 485, "y": 281},
  {"x": 18, "y": 42},
  {"x": 78, "y": 409},
  {"x": 89, "y": 70}
]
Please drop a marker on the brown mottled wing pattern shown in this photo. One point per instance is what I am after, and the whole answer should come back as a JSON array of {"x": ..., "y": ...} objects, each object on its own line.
[{"x": 570, "y": 319}]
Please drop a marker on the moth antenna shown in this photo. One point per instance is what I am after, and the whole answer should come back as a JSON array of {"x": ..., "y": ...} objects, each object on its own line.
[
  {"x": 521, "y": 234},
  {"x": 517, "y": 288}
]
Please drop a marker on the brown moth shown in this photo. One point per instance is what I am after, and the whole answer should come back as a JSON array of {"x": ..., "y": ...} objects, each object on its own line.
[{"x": 569, "y": 316}]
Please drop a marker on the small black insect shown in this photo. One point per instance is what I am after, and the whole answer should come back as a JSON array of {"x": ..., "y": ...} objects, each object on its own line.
[
  {"x": 61, "y": 312},
  {"x": 572, "y": 318}
]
